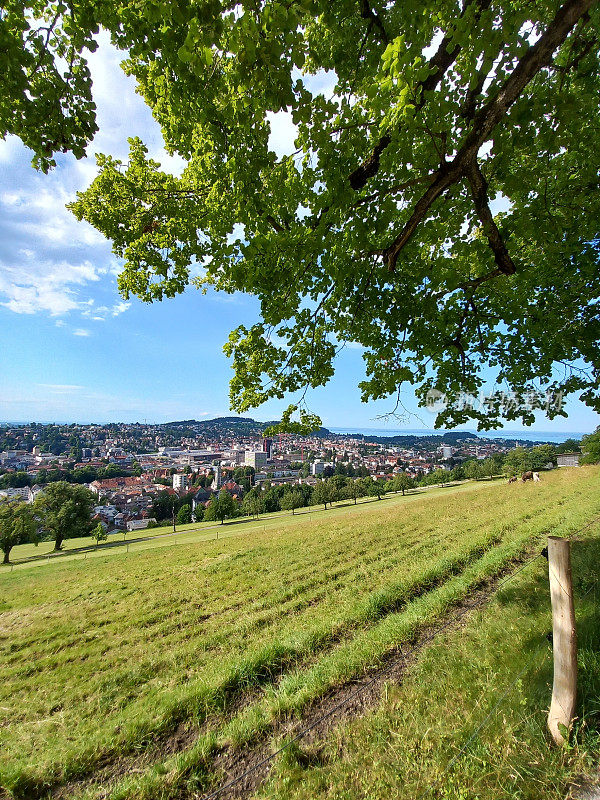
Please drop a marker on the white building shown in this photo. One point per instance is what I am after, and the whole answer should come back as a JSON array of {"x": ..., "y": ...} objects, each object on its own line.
[
  {"x": 568, "y": 459},
  {"x": 138, "y": 524},
  {"x": 217, "y": 481},
  {"x": 317, "y": 468},
  {"x": 20, "y": 493},
  {"x": 180, "y": 481}
]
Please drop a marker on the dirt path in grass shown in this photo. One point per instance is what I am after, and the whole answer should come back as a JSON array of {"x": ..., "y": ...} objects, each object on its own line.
[
  {"x": 242, "y": 771},
  {"x": 344, "y": 702}
]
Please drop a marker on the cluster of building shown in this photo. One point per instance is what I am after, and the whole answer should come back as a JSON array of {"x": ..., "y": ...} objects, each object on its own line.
[{"x": 198, "y": 460}]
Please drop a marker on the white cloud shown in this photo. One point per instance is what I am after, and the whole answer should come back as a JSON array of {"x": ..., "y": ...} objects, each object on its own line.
[
  {"x": 101, "y": 313},
  {"x": 10, "y": 198},
  {"x": 45, "y": 286},
  {"x": 32, "y": 299},
  {"x": 81, "y": 332},
  {"x": 120, "y": 308},
  {"x": 61, "y": 388},
  {"x": 50, "y": 262}
]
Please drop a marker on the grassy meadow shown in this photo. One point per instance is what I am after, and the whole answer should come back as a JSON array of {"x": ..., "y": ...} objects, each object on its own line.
[
  {"x": 104, "y": 659},
  {"x": 469, "y": 721},
  {"x": 86, "y": 547}
]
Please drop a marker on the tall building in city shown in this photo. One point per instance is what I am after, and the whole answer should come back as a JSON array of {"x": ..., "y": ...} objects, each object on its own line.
[
  {"x": 255, "y": 458},
  {"x": 267, "y": 447},
  {"x": 217, "y": 480},
  {"x": 180, "y": 481}
]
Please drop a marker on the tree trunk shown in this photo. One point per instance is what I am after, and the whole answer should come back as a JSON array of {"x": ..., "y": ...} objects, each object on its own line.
[
  {"x": 6, "y": 559},
  {"x": 58, "y": 544}
]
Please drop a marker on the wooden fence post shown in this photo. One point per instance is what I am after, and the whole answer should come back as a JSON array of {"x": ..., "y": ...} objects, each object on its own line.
[{"x": 564, "y": 638}]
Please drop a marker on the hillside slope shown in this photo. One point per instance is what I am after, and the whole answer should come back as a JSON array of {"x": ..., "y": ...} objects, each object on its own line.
[{"x": 133, "y": 672}]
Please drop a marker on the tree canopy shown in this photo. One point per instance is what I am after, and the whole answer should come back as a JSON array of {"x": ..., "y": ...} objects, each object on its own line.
[
  {"x": 440, "y": 207},
  {"x": 65, "y": 511},
  {"x": 17, "y": 526},
  {"x": 591, "y": 448}
]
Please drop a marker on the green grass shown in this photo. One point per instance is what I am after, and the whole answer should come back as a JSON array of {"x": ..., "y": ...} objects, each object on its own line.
[
  {"x": 469, "y": 721},
  {"x": 86, "y": 547},
  {"x": 101, "y": 657}
]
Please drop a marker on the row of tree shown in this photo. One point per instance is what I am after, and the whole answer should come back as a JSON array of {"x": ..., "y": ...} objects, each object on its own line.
[
  {"x": 53, "y": 474},
  {"x": 268, "y": 498}
]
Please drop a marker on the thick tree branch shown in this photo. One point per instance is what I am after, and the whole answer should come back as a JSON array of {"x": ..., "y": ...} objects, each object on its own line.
[
  {"x": 537, "y": 56},
  {"x": 367, "y": 12},
  {"x": 439, "y": 63},
  {"x": 369, "y": 167},
  {"x": 468, "y": 108},
  {"x": 478, "y": 185}
]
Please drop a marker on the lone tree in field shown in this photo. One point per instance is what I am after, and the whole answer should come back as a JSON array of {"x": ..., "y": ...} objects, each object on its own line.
[
  {"x": 65, "y": 511},
  {"x": 401, "y": 482},
  {"x": 321, "y": 494},
  {"x": 439, "y": 205},
  {"x": 222, "y": 507},
  {"x": 17, "y": 526},
  {"x": 354, "y": 489},
  {"x": 291, "y": 500},
  {"x": 99, "y": 534}
]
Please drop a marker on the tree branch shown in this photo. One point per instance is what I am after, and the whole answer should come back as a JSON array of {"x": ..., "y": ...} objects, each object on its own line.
[
  {"x": 397, "y": 187},
  {"x": 478, "y": 185},
  {"x": 537, "y": 56},
  {"x": 439, "y": 63},
  {"x": 367, "y": 12}
]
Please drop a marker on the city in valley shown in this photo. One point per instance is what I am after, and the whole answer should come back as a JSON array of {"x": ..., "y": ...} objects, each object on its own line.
[{"x": 142, "y": 475}]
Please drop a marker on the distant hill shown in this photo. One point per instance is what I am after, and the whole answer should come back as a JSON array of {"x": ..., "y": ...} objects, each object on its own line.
[
  {"x": 414, "y": 440},
  {"x": 227, "y": 426}
]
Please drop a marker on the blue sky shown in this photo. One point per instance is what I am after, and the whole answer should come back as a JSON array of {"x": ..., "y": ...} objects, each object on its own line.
[{"x": 73, "y": 350}]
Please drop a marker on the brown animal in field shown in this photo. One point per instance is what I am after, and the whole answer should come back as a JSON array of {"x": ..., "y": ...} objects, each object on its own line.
[
  {"x": 527, "y": 476},
  {"x": 512, "y": 479}
]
